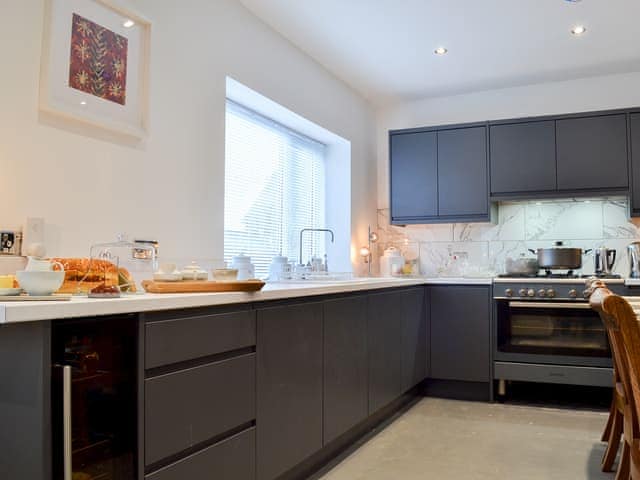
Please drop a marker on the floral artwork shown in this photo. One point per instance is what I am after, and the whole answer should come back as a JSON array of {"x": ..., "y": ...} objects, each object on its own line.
[{"x": 98, "y": 61}]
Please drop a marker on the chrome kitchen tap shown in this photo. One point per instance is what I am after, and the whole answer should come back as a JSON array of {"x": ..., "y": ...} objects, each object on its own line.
[{"x": 328, "y": 230}]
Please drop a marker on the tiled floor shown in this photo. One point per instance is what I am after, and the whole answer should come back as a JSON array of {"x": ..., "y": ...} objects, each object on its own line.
[{"x": 447, "y": 439}]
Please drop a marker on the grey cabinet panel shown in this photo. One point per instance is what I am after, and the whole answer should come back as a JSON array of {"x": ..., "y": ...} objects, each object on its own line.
[
  {"x": 414, "y": 173},
  {"x": 462, "y": 172},
  {"x": 460, "y": 341},
  {"x": 345, "y": 365},
  {"x": 176, "y": 340},
  {"x": 414, "y": 337},
  {"x": 289, "y": 387},
  {"x": 384, "y": 332},
  {"x": 230, "y": 459},
  {"x": 635, "y": 162},
  {"x": 592, "y": 152},
  {"x": 523, "y": 157},
  {"x": 187, "y": 407}
]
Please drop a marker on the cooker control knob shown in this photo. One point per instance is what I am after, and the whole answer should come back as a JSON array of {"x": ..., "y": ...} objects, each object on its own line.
[
  {"x": 542, "y": 292},
  {"x": 508, "y": 292},
  {"x": 551, "y": 293},
  {"x": 522, "y": 292},
  {"x": 573, "y": 293},
  {"x": 531, "y": 292}
]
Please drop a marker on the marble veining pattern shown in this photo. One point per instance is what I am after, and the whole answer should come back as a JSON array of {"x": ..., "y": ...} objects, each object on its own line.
[{"x": 584, "y": 223}]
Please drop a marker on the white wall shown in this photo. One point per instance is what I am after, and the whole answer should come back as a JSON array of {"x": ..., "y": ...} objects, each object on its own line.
[
  {"x": 596, "y": 93},
  {"x": 171, "y": 186}
]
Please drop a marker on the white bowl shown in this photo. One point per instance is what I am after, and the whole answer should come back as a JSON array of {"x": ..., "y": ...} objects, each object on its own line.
[{"x": 40, "y": 283}]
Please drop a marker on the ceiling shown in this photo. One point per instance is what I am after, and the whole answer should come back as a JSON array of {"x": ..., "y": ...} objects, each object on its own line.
[{"x": 384, "y": 48}]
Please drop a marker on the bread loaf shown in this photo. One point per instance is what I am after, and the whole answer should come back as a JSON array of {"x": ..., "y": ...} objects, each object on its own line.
[{"x": 83, "y": 274}]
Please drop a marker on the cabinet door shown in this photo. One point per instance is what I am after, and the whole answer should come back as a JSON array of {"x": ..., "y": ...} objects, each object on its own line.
[
  {"x": 413, "y": 170},
  {"x": 345, "y": 365},
  {"x": 460, "y": 325},
  {"x": 384, "y": 331},
  {"x": 289, "y": 387},
  {"x": 414, "y": 336},
  {"x": 523, "y": 157},
  {"x": 462, "y": 172},
  {"x": 592, "y": 152},
  {"x": 635, "y": 163}
]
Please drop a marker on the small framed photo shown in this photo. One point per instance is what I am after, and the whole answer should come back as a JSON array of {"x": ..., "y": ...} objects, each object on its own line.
[{"x": 95, "y": 65}]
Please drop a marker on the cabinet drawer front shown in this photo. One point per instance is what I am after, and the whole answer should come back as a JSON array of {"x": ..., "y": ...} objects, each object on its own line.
[
  {"x": 230, "y": 459},
  {"x": 173, "y": 341},
  {"x": 191, "y": 406}
]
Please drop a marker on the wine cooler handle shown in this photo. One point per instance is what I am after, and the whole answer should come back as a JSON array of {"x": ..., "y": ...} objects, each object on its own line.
[{"x": 66, "y": 420}]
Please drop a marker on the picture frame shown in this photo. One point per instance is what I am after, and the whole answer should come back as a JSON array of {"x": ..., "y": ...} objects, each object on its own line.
[{"x": 95, "y": 66}]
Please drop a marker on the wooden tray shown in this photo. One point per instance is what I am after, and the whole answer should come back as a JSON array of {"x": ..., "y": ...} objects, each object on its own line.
[
  {"x": 58, "y": 297},
  {"x": 202, "y": 286}
]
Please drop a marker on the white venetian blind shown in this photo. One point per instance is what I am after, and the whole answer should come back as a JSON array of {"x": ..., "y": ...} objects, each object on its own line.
[{"x": 274, "y": 186}]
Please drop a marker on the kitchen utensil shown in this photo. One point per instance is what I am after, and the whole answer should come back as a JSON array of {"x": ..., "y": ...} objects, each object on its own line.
[
  {"x": 604, "y": 259},
  {"x": 40, "y": 283},
  {"x": 41, "y": 265},
  {"x": 10, "y": 242},
  {"x": 391, "y": 262},
  {"x": 245, "y": 268},
  {"x": 202, "y": 287},
  {"x": 521, "y": 266},
  {"x": 559, "y": 257},
  {"x": 4, "y": 292},
  {"x": 633, "y": 249},
  {"x": 225, "y": 274}
]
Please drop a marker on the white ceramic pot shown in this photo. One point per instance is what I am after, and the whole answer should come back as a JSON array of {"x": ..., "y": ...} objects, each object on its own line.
[
  {"x": 246, "y": 269},
  {"x": 391, "y": 262}
]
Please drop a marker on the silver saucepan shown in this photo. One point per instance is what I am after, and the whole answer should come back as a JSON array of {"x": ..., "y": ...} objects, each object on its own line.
[{"x": 559, "y": 257}]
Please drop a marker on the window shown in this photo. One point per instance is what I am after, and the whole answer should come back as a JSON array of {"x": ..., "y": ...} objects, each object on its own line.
[{"x": 274, "y": 187}]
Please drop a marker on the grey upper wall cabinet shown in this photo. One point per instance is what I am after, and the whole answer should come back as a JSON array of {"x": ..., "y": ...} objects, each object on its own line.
[
  {"x": 439, "y": 175},
  {"x": 635, "y": 163},
  {"x": 414, "y": 175},
  {"x": 523, "y": 157},
  {"x": 462, "y": 172},
  {"x": 592, "y": 152}
]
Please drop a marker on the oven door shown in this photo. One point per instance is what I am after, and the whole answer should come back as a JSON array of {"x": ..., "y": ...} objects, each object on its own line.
[{"x": 559, "y": 333}]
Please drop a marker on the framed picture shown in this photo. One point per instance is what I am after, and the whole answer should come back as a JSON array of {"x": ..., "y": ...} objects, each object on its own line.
[{"x": 95, "y": 65}]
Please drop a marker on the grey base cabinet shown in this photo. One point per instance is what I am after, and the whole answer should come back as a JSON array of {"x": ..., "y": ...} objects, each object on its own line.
[
  {"x": 384, "y": 337},
  {"x": 346, "y": 380},
  {"x": 414, "y": 338},
  {"x": 289, "y": 387},
  {"x": 460, "y": 332}
]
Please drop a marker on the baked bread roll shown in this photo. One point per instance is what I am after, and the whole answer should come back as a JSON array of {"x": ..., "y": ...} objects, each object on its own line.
[{"x": 81, "y": 275}]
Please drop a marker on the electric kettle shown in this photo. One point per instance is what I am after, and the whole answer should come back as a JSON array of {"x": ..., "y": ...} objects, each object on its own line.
[{"x": 604, "y": 260}]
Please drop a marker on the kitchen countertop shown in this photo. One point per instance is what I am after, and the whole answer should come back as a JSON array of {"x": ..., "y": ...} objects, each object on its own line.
[{"x": 13, "y": 312}]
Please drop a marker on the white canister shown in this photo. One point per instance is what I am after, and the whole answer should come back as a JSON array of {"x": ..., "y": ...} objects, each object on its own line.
[
  {"x": 246, "y": 269},
  {"x": 280, "y": 269},
  {"x": 391, "y": 262}
]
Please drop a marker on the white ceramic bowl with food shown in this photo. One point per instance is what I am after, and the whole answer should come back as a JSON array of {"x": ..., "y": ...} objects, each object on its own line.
[{"x": 40, "y": 283}]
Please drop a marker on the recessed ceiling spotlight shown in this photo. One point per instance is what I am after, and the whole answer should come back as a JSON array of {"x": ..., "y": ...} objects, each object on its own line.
[
  {"x": 440, "y": 51},
  {"x": 128, "y": 23},
  {"x": 578, "y": 30}
]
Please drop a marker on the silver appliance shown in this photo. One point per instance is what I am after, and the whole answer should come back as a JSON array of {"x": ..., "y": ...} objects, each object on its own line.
[
  {"x": 604, "y": 258},
  {"x": 545, "y": 331},
  {"x": 634, "y": 259}
]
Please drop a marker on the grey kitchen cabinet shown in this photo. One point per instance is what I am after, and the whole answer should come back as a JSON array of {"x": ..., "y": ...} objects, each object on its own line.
[
  {"x": 384, "y": 340},
  {"x": 289, "y": 386},
  {"x": 463, "y": 172},
  {"x": 460, "y": 332},
  {"x": 414, "y": 176},
  {"x": 634, "y": 121},
  {"x": 414, "y": 337},
  {"x": 345, "y": 365},
  {"x": 592, "y": 152},
  {"x": 523, "y": 157}
]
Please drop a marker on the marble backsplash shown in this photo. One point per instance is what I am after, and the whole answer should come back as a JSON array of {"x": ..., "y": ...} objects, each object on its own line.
[{"x": 521, "y": 225}]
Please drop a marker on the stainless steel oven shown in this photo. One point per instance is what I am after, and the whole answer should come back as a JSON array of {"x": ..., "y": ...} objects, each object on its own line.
[{"x": 545, "y": 331}]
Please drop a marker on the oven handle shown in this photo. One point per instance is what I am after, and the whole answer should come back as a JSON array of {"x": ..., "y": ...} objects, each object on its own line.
[{"x": 568, "y": 306}]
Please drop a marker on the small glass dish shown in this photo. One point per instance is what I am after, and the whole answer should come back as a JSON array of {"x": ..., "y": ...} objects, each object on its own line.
[{"x": 225, "y": 274}]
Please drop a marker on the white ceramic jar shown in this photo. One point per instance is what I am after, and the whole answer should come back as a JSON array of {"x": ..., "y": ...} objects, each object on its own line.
[
  {"x": 391, "y": 262},
  {"x": 246, "y": 269}
]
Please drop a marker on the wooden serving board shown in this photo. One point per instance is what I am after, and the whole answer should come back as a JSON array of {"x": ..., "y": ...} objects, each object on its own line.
[
  {"x": 34, "y": 298},
  {"x": 202, "y": 286}
]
